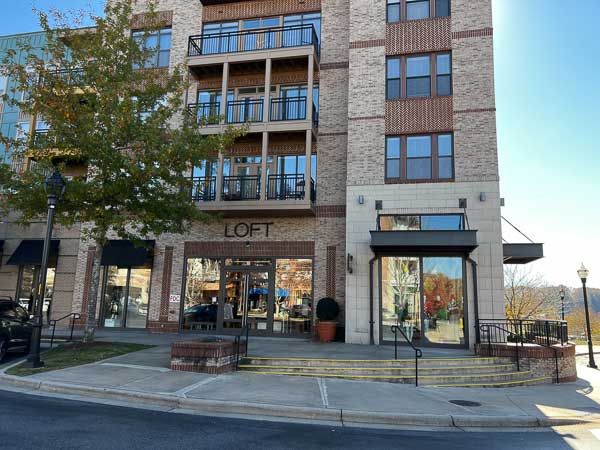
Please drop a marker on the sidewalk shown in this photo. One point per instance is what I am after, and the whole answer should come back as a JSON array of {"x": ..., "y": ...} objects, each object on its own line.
[{"x": 143, "y": 379}]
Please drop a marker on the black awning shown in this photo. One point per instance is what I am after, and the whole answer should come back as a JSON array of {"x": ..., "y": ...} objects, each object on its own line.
[
  {"x": 1, "y": 245},
  {"x": 29, "y": 253},
  {"x": 424, "y": 241},
  {"x": 124, "y": 253},
  {"x": 522, "y": 253}
]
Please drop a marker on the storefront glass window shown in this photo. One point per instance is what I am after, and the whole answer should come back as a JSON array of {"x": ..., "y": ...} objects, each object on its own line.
[
  {"x": 201, "y": 294},
  {"x": 293, "y": 296},
  {"x": 138, "y": 298},
  {"x": 25, "y": 293},
  {"x": 114, "y": 296},
  {"x": 126, "y": 297},
  {"x": 444, "y": 303},
  {"x": 401, "y": 296}
]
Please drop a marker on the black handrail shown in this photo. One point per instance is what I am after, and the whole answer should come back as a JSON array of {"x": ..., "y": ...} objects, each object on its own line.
[
  {"x": 243, "y": 187},
  {"x": 485, "y": 328},
  {"x": 208, "y": 112},
  {"x": 52, "y": 323},
  {"x": 245, "y": 110},
  {"x": 418, "y": 351},
  {"x": 237, "y": 342},
  {"x": 286, "y": 187},
  {"x": 204, "y": 189},
  {"x": 288, "y": 108},
  {"x": 253, "y": 40}
]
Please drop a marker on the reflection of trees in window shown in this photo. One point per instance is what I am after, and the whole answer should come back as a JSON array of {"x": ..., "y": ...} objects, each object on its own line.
[
  {"x": 293, "y": 284},
  {"x": 403, "y": 286},
  {"x": 203, "y": 276},
  {"x": 443, "y": 294}
]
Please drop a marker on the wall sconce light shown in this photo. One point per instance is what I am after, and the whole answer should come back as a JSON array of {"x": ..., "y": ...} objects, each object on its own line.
[
  {"x": 482, "y": 196},
  {"x": 378, "y": 205},
  {"x": 349, "y": 260},
  {"x": 462, "y": 203},
  {"x": 361, "y": 199},
  {"x": 247, "y": 244}
]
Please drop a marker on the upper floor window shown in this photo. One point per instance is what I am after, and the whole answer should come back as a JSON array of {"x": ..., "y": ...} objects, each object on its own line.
[
  {"x": 3, "y": 85},
  {"x": 399, "y": 10},
  {"x": 313, "y": 19},
  {"x": 22, "y": 130},
  {"x": 411, "y": 76},
  {"x": 419, "y": 158},
  {"x": 159, "y": 42},
  {"x": 428, "y": 222}
]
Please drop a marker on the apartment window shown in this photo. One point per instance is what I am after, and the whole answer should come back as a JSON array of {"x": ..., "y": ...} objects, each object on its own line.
[
  {"x": 424, "y": 222},
  {"x": 290, "y": 38},
  {"x": 417, "y": 9},
  {"x": 443, "y": 67},
  {"x": 393, "y": 10},
  {"x": 445, "y": 156},
  {"x": 392, "y": 158},
  {"x": 418, "y": 76},
  {"x": 3, "y": 85},
  {"x": 419, "y": 158},
  {"x": 393, "y": 78},
  {"x": 22, "y": 130},
  {"x": 442, "y": 8},
  {"x": 159, "y": 42}
]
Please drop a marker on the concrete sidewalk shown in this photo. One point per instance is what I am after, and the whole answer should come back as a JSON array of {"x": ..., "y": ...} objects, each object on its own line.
[{"x": 143, "y": 379}]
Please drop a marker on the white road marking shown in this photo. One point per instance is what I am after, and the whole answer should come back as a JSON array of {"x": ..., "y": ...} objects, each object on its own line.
[
  {"x": 323, "y": 390},
  {"x": 134, "y": 366}
]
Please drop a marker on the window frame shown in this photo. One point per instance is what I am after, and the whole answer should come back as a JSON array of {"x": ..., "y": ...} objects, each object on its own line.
[
  {"x": 143, "y": 36},
  {"x": 437, "y": 74},
  {"x": 394, "y": 79},
  {"x": 399, "y": 158},
  {"x": 435, "y": 157},
  {"x": 433, "y": 75},
  {"x": 402, "y": 6},
  {"x": 406, "y": 77},
  {"x": 420, "y": 217}
]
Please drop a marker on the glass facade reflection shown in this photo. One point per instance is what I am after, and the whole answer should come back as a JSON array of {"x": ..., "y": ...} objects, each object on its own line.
[
  {"x": 29, "y": 278},
  {"x": 126, "y": 294},
  {"x": 425, "y": 297},
  {"x": 293, "y": 296},
  {"x": 201, "y": 294}
]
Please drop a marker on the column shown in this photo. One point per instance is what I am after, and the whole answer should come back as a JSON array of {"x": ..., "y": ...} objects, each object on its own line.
[
  {"x": 224, "y": 90},
  {"x": 267, "y": 103},
  {"x": 219, "y": 183},
  {"x": 263, "y": 166},
  {"x": 307, "y": 184},
  {"x": 309, "y": 88}
]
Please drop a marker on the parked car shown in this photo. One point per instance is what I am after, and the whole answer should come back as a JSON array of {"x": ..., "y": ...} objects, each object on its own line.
[
  {"x": 15, "y": 327},
  {"x": 201, "y": 313}
]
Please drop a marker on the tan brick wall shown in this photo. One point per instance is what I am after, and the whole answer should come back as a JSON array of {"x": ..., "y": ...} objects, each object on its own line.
[
  {"x": 418, "y": 36},
  {"x": 259, "y": 8}
]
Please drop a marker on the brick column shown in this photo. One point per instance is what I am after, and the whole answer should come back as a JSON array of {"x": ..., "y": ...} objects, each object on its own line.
[{"x": 166, "y": 285}]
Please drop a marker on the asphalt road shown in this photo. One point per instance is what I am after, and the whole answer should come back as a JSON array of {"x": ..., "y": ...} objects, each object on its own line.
[{"x": 34, "y": 422}]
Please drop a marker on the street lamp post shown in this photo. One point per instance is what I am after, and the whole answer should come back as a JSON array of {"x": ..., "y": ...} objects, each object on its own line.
[
  {"x": 562, "y": 302},
  {"x": 583, "y": 274},
  {"x": 54, "y": 185}
]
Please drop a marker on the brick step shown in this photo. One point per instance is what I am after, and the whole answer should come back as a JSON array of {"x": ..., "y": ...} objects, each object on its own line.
[
  {"x": 383, "y": 371},
  {"x": 388, "y": 363},
  {"x": 464, "y": 380}
]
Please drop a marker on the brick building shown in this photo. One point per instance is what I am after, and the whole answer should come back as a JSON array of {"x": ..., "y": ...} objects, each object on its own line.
[{"x": 369, "y": 174}]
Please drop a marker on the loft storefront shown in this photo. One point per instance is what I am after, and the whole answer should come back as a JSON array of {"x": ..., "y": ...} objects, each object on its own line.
[
  {"x": 273, "y": 295},
  {"x": 423, "y": 281},
  {"x": 126, "y": 275}
]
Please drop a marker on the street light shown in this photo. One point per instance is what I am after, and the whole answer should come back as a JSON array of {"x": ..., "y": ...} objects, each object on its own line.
[
  {"x": 54, "y": 185},
  {"x": 562, "y": 302},
  {"x": 583, "y": 274}
]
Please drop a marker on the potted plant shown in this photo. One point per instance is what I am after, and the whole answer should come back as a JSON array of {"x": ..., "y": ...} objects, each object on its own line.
[{"x": 327, "y": 312}]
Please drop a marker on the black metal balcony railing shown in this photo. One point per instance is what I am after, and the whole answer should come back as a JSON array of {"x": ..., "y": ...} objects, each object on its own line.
[
  {"x": 244, "y": 187},
  {"x": 246, "y": 110},
  {"x": 208, "y": 112},
  {"x": 252, "y": 40},
  {"x": 71, "y": 77},
  {"x": 41, "y": 138},
  {"x": 288, "y": 108},
  {"x": 286, "y": 187},
  {"x": 204, "y": 189},
  {"x": 313, "y": 191}
]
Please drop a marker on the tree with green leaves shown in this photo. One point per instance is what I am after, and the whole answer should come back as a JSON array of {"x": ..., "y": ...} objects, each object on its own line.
[{"x": 109, "y": 111}]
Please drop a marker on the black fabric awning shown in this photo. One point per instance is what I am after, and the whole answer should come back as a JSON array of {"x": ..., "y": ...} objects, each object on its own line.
[
  {"x": 423, "y": 241},
  {"x": 124, "y": 253},
  {"x": 29, "y": 253},
  {"x": 522, "y": 253}
]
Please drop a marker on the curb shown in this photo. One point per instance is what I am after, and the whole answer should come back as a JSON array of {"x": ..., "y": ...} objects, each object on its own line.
[{"x": 289, "y": 412}]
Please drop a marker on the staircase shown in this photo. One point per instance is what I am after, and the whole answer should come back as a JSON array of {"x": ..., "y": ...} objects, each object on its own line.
[{"x": 433, "y": 372}]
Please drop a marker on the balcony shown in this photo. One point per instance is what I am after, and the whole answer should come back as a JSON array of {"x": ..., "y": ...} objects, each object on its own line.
[
  {"x": 285, "y": 194},
  {"x": 285, "y": 113},
  {"x": 255, "y": 44}
]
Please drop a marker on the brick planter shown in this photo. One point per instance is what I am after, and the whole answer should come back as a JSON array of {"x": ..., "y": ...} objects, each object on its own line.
[
  {"x": 205, "y": 356},
  {"x": 539, "y": 360}
]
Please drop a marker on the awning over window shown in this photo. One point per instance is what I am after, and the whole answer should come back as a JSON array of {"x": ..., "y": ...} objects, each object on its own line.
[
  {"x": 29, "y": 253},
  {"x": 124, "y": 253},
  {"x": 522, "y": 253},
  {"x": 463, "y": 241}
]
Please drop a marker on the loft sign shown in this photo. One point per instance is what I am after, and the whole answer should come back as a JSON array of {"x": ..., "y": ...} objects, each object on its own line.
[{"x": 244, "y": 230}]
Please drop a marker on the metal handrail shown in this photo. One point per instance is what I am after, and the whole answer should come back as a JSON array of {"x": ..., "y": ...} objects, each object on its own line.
[
  {"x": 237, "y": 342},
  {"x": 418, "y": 351},
  {"x": 206, "y": 111},
  {"x": 486, "y": 328},
  {"x": 288, "y": 108},
  {"x": 52, "y": 323}
]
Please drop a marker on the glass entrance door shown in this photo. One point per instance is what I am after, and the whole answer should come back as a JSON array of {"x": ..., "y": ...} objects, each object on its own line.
[{"x": 247, "y": 300}]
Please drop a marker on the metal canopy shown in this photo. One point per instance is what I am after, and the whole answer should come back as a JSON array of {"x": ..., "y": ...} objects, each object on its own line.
[
  {"x": 522, "y": 253},
  {"x": 124, "y": 253},
  {"x": 464, "y": 241},
  {"x": 29, "y": 253}
]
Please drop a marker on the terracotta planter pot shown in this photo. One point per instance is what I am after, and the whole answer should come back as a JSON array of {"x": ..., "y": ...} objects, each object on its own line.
[{"x": 326, "y": 331}]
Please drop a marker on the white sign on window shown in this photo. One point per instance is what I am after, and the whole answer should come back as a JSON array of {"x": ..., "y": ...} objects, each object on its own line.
[{"x": 174, "y": 298}]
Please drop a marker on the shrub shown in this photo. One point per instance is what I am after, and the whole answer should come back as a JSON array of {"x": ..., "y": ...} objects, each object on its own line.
[{"x": 327, "y": 309}]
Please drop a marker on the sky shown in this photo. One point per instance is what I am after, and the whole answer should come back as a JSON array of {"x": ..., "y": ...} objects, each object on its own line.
[{"x": 548, "y": 104}]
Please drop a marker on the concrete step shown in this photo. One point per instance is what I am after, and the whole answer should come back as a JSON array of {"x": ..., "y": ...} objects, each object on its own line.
[
  {"x": 387, "y": 363},
  {"x": 504, "y": 379},
  {"x": 384, "y": 371}
]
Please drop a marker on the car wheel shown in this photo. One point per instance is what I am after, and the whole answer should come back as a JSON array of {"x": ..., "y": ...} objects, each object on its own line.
[{"x": 3, "y": 349}]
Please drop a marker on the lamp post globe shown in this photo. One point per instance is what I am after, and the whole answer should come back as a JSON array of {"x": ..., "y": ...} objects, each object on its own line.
[
  {"x": 583, "y": 275},
  {"x": 54, "y": 186}
]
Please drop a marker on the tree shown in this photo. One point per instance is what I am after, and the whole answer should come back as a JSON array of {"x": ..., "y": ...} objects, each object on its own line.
[
  {"x": 109, "y": 110},
  {"x": 527, "y": 295}
]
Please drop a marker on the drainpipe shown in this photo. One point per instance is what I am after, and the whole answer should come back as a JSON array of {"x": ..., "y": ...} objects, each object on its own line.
[
  {"x": 371, "y": 322},
  {"x": 475, "y": 299}
]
